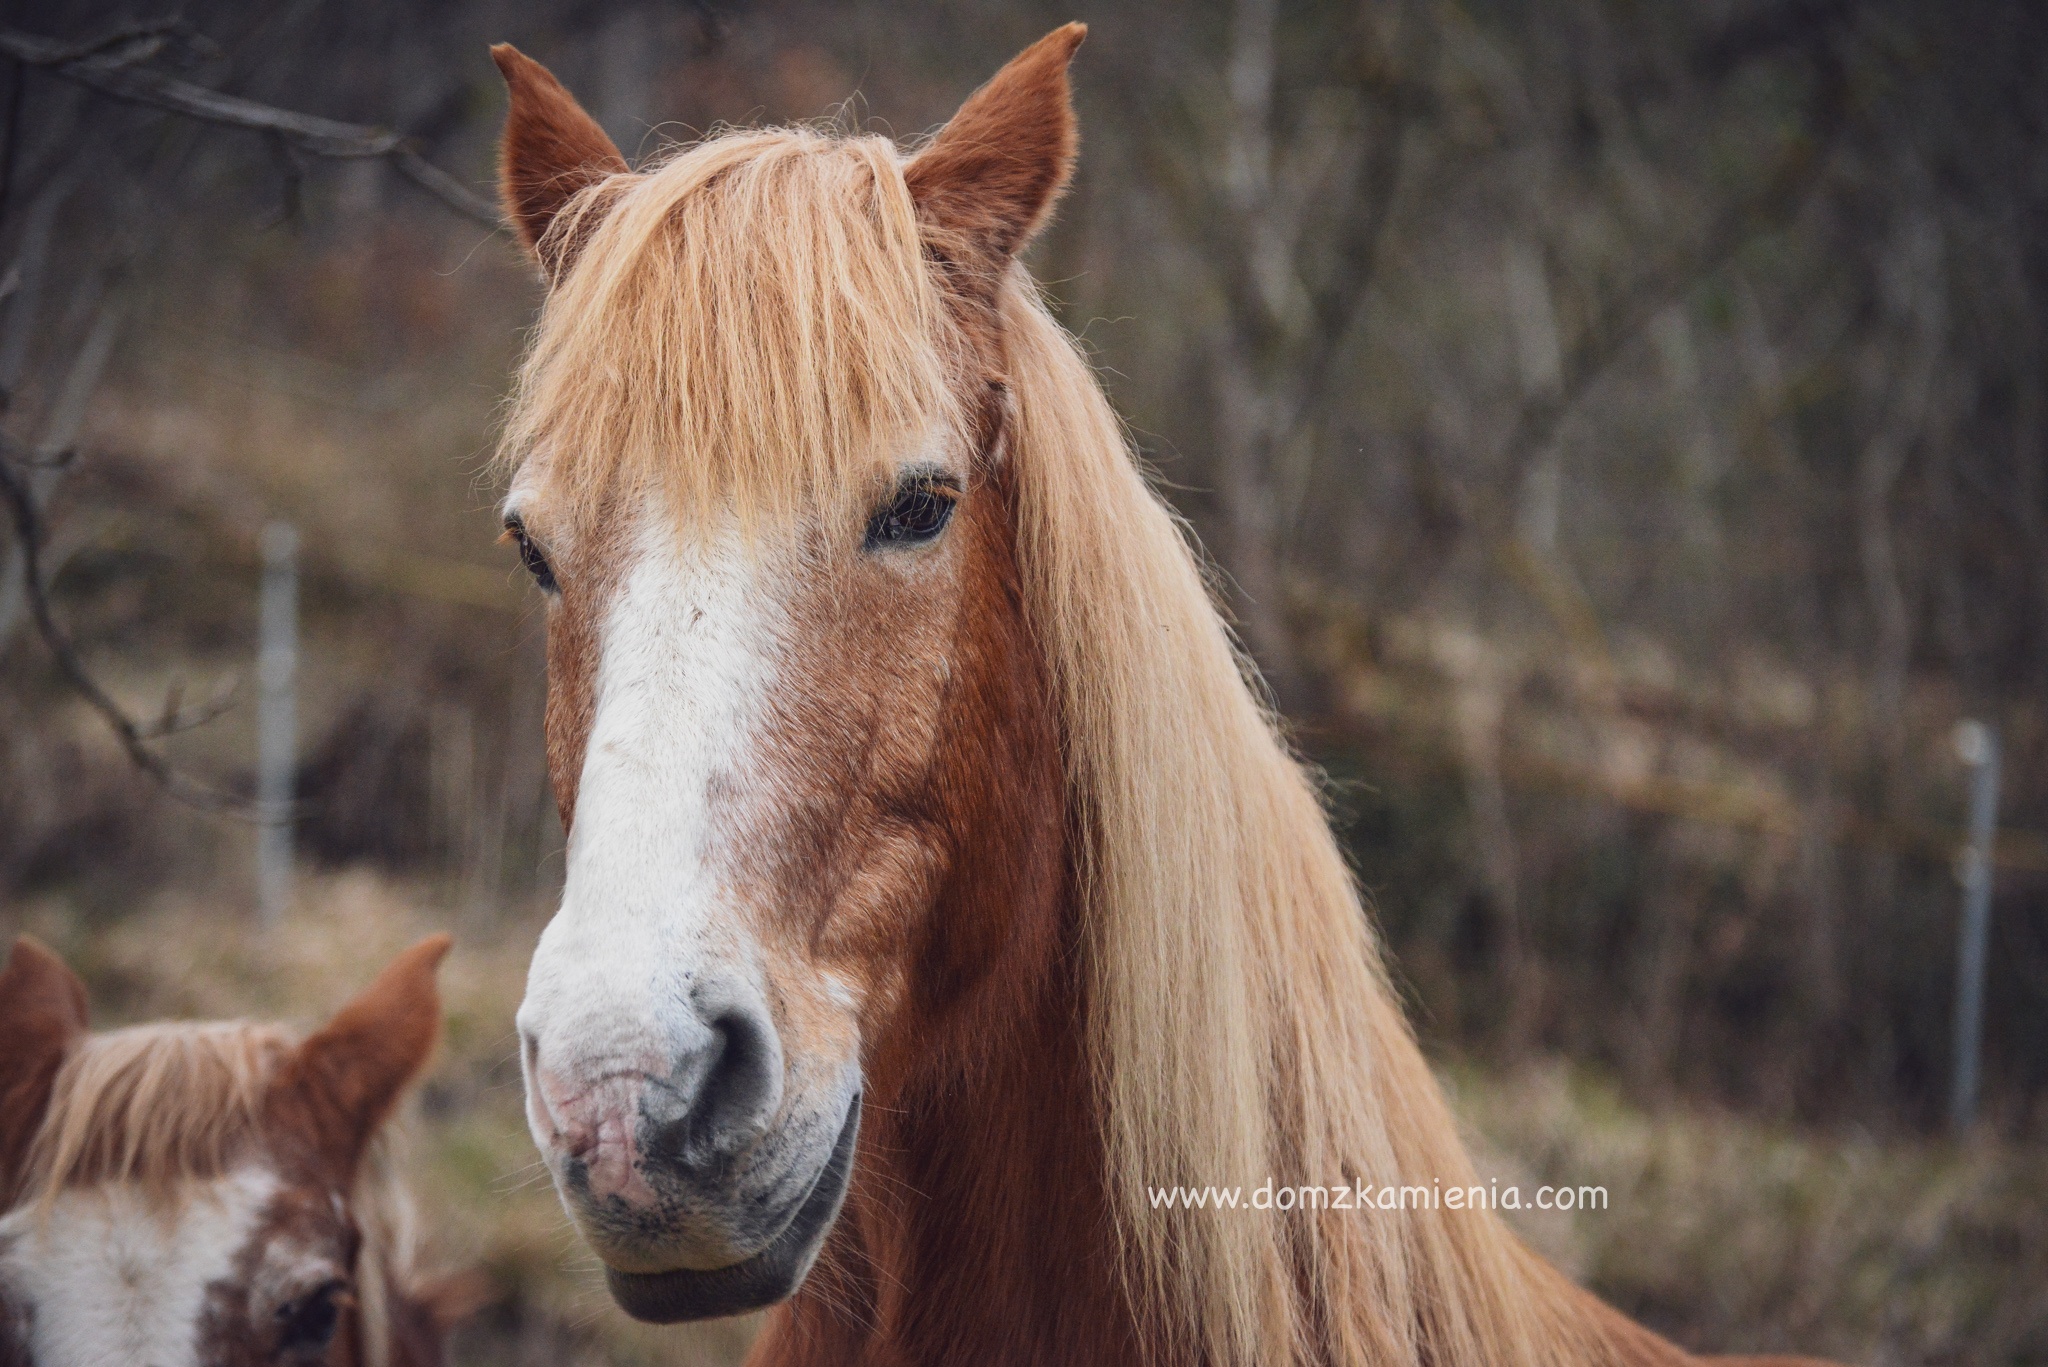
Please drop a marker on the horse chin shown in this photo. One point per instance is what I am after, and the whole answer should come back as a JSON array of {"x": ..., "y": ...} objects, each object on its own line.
[{"x": 769, "y": 1276}]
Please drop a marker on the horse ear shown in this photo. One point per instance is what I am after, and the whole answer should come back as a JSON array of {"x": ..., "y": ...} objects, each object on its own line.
[
  {"x": 988, "y": 181},
  {"x": 552, "y": 149},
  {"x": 342, "y": 1084},
  {"x": 42, "y": 1014}
]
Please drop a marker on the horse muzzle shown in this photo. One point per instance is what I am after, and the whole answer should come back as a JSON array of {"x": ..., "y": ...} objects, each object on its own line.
[
  {"x": 703, "y": 1181},
  {"x": 770, "y": 1275}
]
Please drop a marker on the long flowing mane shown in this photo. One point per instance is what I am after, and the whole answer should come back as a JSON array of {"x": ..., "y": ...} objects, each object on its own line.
[
  {"x": 1245, "y": 1030},
  {"x": 749, "y": 324},
  {"x": 161, "y": 1107}
]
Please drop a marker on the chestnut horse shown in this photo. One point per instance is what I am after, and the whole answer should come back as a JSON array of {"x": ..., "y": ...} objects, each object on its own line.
[
  {"x": 209, "y": 1194},
  {"x": 937, "y": 885}
]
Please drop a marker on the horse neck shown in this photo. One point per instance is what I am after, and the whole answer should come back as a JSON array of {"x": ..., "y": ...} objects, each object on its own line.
[{"x": 978, "y": 1227}]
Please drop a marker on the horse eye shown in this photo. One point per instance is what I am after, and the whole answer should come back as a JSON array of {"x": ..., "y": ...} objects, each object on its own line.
[
  {"x": 308, "y": 1323},
  {"x": 919, "y": 512},
  {"x": 532, "y": 556}
]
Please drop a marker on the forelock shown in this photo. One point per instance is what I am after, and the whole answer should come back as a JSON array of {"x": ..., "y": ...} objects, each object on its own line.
[
  {"x": 154, "y": 1105},
  {"x": 749, "y": 326}
]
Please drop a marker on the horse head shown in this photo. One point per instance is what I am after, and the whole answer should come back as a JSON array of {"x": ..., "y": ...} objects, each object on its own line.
[
  {"x": 797, "y": 724},
  {"x": 207, "y": 1193}
]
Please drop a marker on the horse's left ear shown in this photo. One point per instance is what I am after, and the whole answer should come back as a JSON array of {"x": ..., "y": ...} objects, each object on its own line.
[
  {"x": 552, "y": 150},
  {"x": 988, "y": 181},
  {"x": 42, "y": 1014},
  {"x": 342, "y": 1084}
]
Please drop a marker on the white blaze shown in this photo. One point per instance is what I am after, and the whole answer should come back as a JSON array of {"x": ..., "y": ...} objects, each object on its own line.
[
  {"x": 107, "y": 1277},
  {"x": 687, "y": 660}
]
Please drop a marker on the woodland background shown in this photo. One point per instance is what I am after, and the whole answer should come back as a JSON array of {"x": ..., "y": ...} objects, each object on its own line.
[{"x": 1620, "y": 426}]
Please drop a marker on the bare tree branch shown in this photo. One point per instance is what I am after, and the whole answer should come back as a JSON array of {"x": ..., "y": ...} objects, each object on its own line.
[
  {"x": 109, "y": 67},
  {"x": 133, "y": 736},
  {"x": 176, "y": 719},
  {"x": 112, "y": 65},
  {"x": 1624, "y": 317},
  {"x": 1339, "y": 300}
]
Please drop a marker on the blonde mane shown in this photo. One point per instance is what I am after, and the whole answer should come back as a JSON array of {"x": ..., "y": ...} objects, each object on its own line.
[
  {"x": 155, "y": 1106},
  {"x": 1245, "y": 1030},
  {"x": 166, "y": 1106},
  {"x": 758, "y": 302},
  {"x": 748, "y": 325}
]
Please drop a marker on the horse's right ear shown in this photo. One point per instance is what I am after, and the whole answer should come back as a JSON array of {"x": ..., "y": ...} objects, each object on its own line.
[
  {"x": 42, "y": 1014},
  {"x": 340, "y": 1086},
  {"x": 989, "y": 178},
  {"x": 552, "y": 149}
]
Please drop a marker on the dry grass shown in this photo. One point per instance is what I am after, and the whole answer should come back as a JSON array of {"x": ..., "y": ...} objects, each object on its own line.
[
  {"x": 1738, "y": 1237},
  {"x": 1727, "y": 1234}
]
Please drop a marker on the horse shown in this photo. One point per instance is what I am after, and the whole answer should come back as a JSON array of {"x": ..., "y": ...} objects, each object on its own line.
[
  {"x": 939, "y": 885},
  {"x": 216, "y": 1193}
]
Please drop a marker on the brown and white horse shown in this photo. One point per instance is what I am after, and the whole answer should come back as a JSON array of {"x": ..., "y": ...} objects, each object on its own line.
[
  {"x": 937, "y": 883},
  {"x": 209, "y": 1194}
]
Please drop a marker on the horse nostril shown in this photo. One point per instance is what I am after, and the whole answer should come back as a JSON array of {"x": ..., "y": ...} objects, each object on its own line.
[
  {"x": 740, "y": 1084},
  {"x": 729, "y": 1089}
]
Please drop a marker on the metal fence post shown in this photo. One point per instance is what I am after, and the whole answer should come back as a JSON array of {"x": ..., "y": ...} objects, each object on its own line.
[
  {"x": 1977, "y": 746},
  {"x": 277, "y": 718}
]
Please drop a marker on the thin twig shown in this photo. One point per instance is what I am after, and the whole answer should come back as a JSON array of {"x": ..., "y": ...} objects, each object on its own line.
[
  {"x": 113, "y": 65},
  {"x": 129, "y": 43},
  {"x": 176, "y": 718},
  {"x": 1797, "y": 175},
  {"x": 112, "y": 71},
  {"x": 132, "y": 735}
]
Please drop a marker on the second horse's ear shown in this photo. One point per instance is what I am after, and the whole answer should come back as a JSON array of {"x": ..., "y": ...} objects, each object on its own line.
[
  {"x": 342, "y": 1084},
  {"x": 989, "y": 179},
  {"x": 552, "y": 151},
  {"x": 42, "y": 1014}
]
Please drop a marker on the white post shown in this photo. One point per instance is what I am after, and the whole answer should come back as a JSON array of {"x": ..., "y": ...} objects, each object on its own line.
[
  {"x": 277, "y": 720},
  {"x": 1977, "y": 746},
  {"x": 1532, "y": 316}
]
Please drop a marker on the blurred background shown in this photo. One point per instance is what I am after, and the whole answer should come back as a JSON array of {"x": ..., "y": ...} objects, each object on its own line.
[{"x": 1621, "y": 429}]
